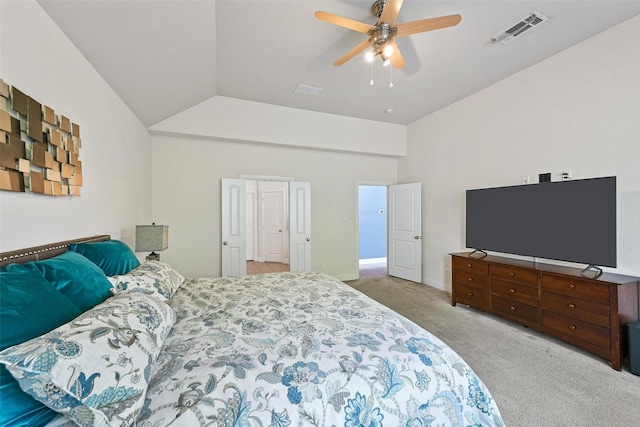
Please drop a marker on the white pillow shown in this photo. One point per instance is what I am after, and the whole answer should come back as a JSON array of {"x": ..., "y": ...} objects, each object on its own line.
[
  {"x": 96, "y": 368},
  {"x": 152, "y": 277}
]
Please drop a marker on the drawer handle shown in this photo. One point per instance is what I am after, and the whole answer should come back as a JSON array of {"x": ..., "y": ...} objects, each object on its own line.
[
  {"x": 470, "y": 294},
  {"x": 513, "y": 291},
  {"x": 572, "y": 327},
  {"x": 572, "y": 286},
  {"x": 512, "y": 274},
  {"x": 469, "y": 265},
  {"x": 572, "y": 305},
  {"x": 512, "y": 308},
  {"x": 470, "y": 279}
]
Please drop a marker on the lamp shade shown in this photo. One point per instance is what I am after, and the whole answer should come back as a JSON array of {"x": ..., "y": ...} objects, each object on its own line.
[{"x": 152, "y": 237}]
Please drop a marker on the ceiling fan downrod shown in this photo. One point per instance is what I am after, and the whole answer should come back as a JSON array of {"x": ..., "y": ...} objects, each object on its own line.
[
  {"x": 377, "y": 7},
  {"x": 381, "y": 36}
]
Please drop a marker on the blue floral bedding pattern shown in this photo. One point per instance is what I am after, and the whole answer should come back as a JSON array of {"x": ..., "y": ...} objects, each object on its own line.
[
  {"x": 303, "y": 349},
  {"x": 95, "y": 369}
]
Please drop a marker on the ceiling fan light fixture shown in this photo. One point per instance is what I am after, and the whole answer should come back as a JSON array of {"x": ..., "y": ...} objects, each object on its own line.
[
  {"x": 369, "y": 56},
  {"x": 382, "y": 34}
]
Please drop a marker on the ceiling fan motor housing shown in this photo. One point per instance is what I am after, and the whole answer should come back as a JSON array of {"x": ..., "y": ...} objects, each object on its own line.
[{"x": 382, "y": 35}]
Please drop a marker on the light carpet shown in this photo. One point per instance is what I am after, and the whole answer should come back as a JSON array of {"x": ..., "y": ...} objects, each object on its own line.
[{"x": 535, "y": 379}]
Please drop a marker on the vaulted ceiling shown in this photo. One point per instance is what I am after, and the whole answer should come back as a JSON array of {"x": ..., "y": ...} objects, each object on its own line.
[{"x": 162, "y": 57}]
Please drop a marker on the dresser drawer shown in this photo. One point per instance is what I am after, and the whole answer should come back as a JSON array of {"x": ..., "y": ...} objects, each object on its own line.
[
  {"x": 514, "y": 274},
  {"x": 577, "y": 331},
  {"x": 516, "y": 309},
  {"x": 473, "y": 280},
  {"x": 576, "y": 288},
  {"x": 470, "y": 265},
  {"x": 515, "y": 291},
  {"x": 472, "y": 297},
  {"x": 576, "y": 308}
]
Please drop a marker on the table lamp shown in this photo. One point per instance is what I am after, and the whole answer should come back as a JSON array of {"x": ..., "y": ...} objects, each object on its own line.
[{"x": 152, "y": 238}]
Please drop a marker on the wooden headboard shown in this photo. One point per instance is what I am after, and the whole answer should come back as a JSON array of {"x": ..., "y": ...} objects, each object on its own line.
[{"x": 36, "y": 253}]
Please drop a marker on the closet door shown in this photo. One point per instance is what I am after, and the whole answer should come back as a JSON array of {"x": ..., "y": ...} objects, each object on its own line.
[
  {"x": 273, "y": 220},
  {"x": 233, "y": 235},
  {"x": 300, "y": 226}
]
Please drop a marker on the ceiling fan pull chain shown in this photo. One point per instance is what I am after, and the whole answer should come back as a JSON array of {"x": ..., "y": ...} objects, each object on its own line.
[{"x": 391, "y": 76}]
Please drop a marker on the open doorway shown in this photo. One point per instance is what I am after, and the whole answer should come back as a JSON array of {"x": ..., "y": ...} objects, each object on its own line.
[
  {"x": 233, "y": 229},
  {"x": 372, "y": 230},
  {"x": 267, "y": 226}
]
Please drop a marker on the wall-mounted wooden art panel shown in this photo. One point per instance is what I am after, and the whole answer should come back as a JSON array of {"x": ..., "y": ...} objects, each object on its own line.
[{"x": 39, "y": 150}]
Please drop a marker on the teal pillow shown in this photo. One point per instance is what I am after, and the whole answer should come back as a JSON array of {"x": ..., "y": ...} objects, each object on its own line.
[
  {"x": 29, "y": 307},
  {"x": 77, "y": 278},
  {"x": 18, "y": 408},
  {"x": 113, "y": 256}
]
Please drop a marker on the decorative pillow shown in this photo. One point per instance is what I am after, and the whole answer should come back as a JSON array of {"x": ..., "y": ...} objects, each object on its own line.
[
  {"x": 96, "y": 368},
  {"x": 113, "y": 256},
  {"x": 150, "y": 277},
  {"x": 30, "y": 306},
  {"x": 80, "y": 280}
]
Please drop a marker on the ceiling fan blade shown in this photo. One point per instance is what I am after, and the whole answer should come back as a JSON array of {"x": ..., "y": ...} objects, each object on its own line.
[
  {"x": 413, "y": 27},
  {"x": 390, "y": 12},
  {"x": 343, "y": 22},
  {"x": 353, "y": 52},
  {"x": 396, "y": 58}
]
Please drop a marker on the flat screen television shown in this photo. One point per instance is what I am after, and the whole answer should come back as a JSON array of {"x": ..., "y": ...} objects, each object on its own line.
[{"x": 571, "y": 221}]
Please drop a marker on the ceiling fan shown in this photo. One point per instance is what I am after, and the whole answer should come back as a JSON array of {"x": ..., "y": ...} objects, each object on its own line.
[{"x": 382, "y": 35}]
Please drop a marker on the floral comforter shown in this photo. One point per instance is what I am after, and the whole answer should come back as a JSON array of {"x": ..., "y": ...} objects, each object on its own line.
[{"x": 303, "y": 349}]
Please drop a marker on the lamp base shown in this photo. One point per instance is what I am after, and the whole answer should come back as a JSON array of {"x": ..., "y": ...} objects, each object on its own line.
[{"x": 153, "y": 257}]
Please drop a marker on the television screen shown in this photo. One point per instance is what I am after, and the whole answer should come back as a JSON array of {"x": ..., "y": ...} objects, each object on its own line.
[{"x": 568, "y": 220}]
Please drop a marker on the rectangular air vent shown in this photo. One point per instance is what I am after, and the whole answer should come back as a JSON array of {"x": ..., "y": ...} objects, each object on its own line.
[
  {"x": 525, "y": 24},
  {"x": 303, "y": 89}
]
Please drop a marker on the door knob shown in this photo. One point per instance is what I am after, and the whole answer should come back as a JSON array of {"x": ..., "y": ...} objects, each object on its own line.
[
  {"x": 417, "y": 237},
  {"x": 308, "y": 239},
  {"x": 225, "y": 243}
]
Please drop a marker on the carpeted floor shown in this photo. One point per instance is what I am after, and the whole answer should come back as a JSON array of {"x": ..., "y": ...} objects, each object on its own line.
[{"x": 535, "y": 379}]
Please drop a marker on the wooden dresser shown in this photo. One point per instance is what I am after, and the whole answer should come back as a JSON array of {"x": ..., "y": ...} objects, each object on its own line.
[{"x": 587, "y": 312}]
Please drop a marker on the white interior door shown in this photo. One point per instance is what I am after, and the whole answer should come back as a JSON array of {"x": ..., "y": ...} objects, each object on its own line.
[
  {"x": 300, "y": 226},
  {"x": 233, "y": 233},
  {"x": 405, "y": 231},
  {"x": 251, "y": 210},
  {"x": 273, "y": 197}
]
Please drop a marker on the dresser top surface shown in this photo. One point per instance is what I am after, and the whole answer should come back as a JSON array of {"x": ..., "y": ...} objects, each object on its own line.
[{"x": 618, "y": 279}]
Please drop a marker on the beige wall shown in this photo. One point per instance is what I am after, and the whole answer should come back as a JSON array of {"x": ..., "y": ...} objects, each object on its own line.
[
  {"x": 116, "y": 148},
  {"x": 578, "y": 111},
  {"x": 186, "y": 196}
]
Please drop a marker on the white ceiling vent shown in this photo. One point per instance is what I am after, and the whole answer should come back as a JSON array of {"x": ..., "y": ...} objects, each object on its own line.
[
  {"x": 303, "y": 89},
  {"x": 525, "y": 24}
]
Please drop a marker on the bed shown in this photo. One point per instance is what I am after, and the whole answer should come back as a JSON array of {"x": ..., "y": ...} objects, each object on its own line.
[{"x": 154, "y": 349}]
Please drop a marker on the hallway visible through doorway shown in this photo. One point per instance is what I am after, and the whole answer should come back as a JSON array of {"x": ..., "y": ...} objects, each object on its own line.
[
  {"x": 254, "y": 267},
  {"x": 373, "y": 267},
  {"x": 372, "y": 230}
]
